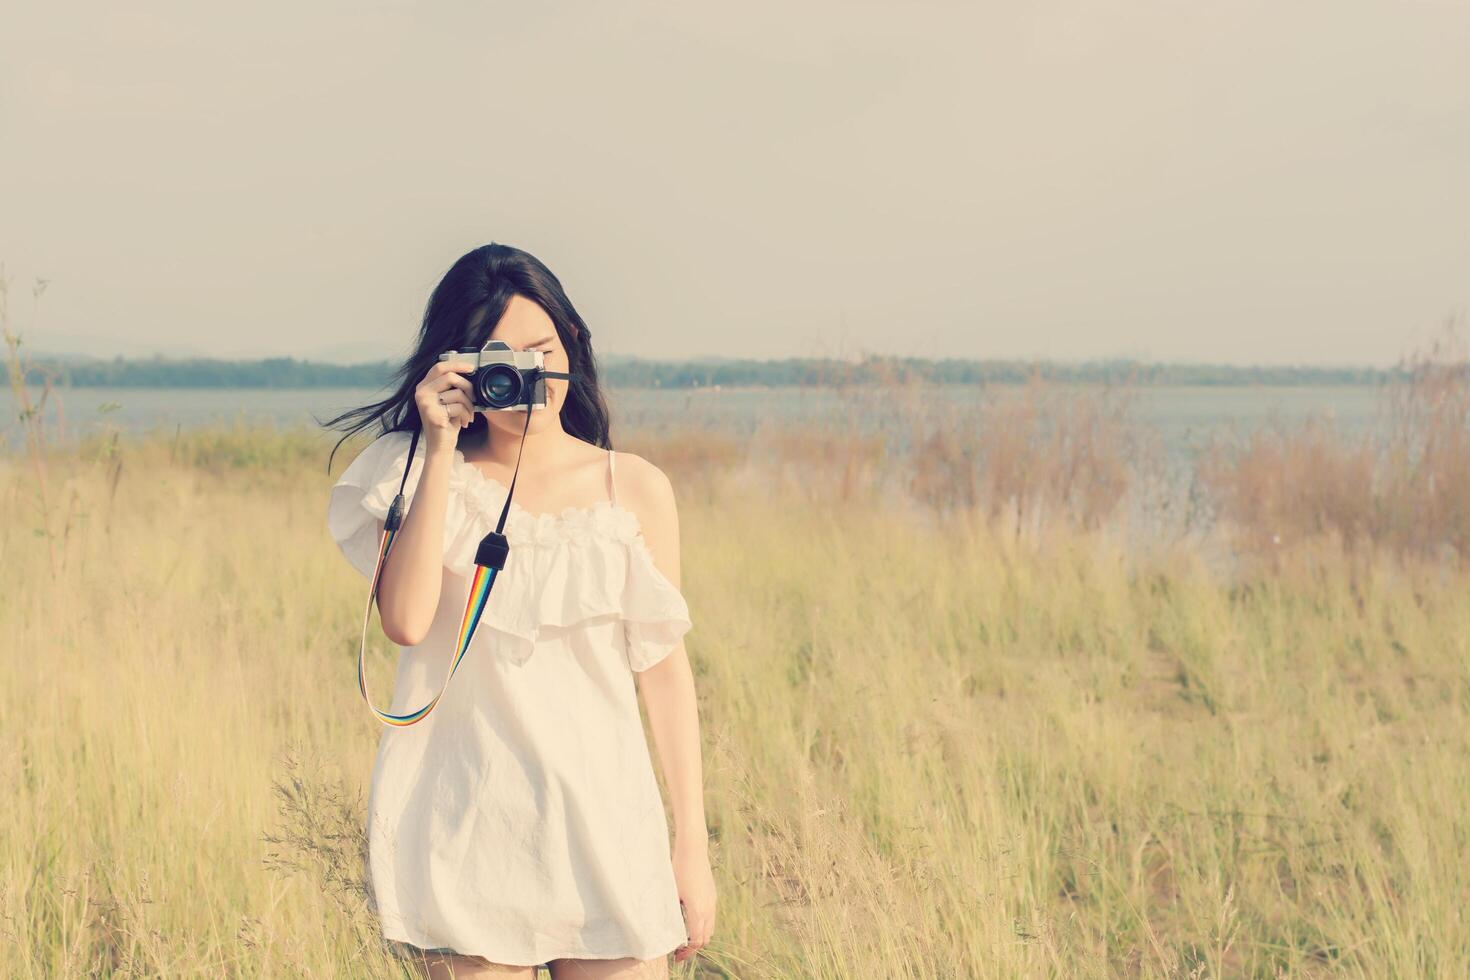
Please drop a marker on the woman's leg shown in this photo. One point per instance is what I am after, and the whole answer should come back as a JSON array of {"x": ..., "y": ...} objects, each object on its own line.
[
  {"x": 444, "y": 966},
  {"x": 626, "y": 968}
]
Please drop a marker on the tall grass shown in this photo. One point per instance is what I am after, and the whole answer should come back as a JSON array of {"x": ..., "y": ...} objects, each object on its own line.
[
  {"x": 934, "y": 746},
  {"x": 1041, "y": 453},
  {"x": 1403, "y": 486},
  {"x": 30, "y": 416}
]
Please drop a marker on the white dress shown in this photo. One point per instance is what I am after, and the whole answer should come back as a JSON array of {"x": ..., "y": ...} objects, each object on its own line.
[{"x": 521, "y": 820}]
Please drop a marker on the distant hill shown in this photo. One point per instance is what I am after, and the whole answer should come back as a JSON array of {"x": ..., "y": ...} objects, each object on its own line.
[{"x": 631, "y": 372}]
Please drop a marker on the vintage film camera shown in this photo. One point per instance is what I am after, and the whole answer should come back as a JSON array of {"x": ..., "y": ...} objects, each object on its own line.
[{"x": 504, "y": 379}]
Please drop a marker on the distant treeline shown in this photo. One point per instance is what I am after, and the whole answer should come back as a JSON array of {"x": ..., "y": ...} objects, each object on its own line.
[{"x": 285, "y": 372}]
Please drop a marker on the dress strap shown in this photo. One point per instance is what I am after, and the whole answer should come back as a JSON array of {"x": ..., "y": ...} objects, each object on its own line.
[{"x": 611, "y": 476}]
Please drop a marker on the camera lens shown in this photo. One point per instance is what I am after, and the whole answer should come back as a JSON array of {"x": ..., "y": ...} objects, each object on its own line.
[{"x": 499, "y": 385}]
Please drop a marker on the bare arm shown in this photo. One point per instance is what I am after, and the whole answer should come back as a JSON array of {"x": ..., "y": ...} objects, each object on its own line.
[
  {"x": 667, "y": 689},
  {"x": 668, "y": 695},
  {"x": 408, "y": 591}
]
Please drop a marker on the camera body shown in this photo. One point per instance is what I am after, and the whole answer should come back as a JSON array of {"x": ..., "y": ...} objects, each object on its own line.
[{"x": 504, "y": 379}]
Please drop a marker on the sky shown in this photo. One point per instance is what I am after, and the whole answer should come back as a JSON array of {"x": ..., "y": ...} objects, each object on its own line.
[{"x": 1234, "y": 182}]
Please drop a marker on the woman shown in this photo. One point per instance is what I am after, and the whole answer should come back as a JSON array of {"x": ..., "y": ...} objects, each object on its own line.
[{"x": 519, "y": 823}]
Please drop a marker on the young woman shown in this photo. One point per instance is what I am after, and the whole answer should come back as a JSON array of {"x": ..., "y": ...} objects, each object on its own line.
[{"x": 519, "y": 823}]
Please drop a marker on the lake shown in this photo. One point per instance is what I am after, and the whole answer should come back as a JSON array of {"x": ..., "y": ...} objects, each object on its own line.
[{"x": 1183, "y": 416}]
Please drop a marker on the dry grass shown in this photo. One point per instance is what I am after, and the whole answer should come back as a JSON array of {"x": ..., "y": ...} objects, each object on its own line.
[
  {"x": 1403, "y": 487},
  {"x": 1040, "y": 454},
  {"x": 935, "y": 747},
  {"x": 955, "y": 725}
]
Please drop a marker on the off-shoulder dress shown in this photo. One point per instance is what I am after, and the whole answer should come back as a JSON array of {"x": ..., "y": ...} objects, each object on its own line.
[{"x": 521, "y": 820}]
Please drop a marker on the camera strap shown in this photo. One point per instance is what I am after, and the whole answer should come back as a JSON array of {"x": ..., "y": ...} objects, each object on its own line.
[{"x": 489, "y": 560}]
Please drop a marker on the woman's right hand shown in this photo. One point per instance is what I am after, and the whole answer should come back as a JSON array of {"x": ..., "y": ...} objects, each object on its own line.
[{"x": 444, "y": 403}]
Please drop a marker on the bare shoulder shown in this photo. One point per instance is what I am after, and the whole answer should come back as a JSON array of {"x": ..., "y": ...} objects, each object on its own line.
[
  {"x": 644, "y": 488},
  {"x": 646, "y": 491}
]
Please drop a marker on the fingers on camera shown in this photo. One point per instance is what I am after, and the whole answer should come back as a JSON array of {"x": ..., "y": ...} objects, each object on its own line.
[{"x": 453, "y": 368}]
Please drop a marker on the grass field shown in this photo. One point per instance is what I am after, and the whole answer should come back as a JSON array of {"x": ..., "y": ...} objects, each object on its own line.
[{"x": 939, "y": 741}]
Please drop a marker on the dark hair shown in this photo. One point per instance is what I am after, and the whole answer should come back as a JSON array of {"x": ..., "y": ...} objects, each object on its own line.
[{"x": 477, "y": 289}]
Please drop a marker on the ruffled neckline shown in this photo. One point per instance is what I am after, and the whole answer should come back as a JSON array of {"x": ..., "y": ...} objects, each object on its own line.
[
  {"x": 484, "y": 496},
  {"x": 563, "y": 568}
]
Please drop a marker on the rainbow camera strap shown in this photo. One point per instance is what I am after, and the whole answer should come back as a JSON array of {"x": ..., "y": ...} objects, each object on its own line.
[{"x": 489, "y": 560}]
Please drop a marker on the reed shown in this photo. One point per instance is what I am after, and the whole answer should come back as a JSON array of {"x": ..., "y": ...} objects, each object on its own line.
[
  {"x": 1402, "y": 486},
  {"x": 31, "y": 415}
]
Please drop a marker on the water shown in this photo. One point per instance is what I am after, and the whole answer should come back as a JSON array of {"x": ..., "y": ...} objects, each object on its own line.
[{"x": 1183, "y": 416}]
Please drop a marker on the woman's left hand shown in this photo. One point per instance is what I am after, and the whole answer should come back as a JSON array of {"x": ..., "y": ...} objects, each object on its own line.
[{"x": 696, "y": 895}]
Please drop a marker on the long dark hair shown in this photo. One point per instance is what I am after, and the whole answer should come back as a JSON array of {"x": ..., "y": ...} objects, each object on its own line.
[{"x": 477, "y": 289}]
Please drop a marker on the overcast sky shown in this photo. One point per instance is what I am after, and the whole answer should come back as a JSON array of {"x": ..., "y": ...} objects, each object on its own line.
[{"x": 1246, "y": 182}]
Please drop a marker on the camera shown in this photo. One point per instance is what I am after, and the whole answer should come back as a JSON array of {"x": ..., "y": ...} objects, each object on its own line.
[{"x": 504, "y": 379}]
